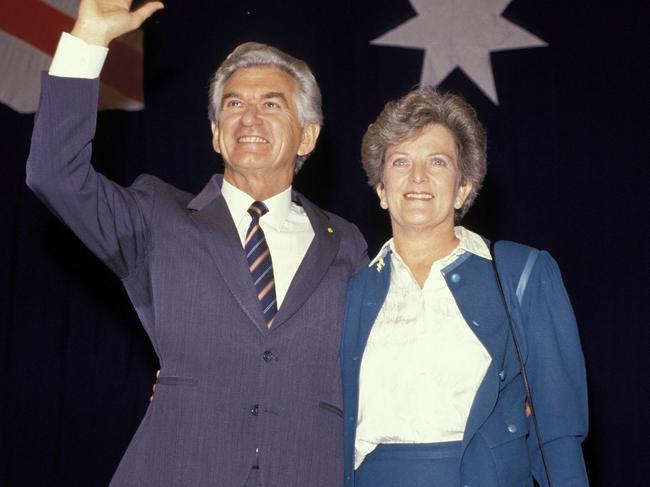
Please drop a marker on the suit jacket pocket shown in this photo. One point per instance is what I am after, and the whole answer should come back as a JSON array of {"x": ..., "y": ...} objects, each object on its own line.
[
  {"x": 331, "y": 408},
  {"x": 176, "y": 380}
]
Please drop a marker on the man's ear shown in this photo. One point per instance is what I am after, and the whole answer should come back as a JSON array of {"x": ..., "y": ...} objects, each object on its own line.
[
  {"x": 310, "y": 133},
  {"x": 215, "y": 137}
]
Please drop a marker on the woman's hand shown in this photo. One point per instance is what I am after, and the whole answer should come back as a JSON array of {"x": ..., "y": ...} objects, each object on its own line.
[
  {"x": 101, "y": 21},
  {"x": 153, "y": 389}
]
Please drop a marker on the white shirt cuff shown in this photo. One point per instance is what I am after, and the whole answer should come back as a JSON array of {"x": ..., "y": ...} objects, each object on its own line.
[{"x": 75, "y": 58}]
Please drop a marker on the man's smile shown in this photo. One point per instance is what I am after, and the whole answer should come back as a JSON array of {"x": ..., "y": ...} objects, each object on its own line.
[{"x": 251, "y": 139}]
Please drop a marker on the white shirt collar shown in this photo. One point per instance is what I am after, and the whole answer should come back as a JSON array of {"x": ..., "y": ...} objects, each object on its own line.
[
  {"x": 238, "y": 203},
  {"x": 468, "y": 242}
]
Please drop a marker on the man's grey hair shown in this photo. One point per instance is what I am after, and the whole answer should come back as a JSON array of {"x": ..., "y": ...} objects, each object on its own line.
[
  {"x": 406, "y": 117},
  {"x": 253, "y": 54}
]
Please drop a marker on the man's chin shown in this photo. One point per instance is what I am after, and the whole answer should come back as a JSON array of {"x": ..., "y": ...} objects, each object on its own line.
[{"x": 252, "y": 159}]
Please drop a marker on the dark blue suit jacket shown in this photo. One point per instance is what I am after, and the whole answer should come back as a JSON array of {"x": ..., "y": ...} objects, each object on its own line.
[
  {"x": 231, "y": 392},
  {"x": 499, "y": 446}
]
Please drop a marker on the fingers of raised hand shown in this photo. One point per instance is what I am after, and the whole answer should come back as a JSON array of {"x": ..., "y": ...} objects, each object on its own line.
[
  {"x": 145, "y": 11},
  {"x": 99, "y": 22}
]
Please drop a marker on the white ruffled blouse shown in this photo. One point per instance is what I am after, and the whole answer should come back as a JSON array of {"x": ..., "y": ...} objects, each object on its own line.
[{"x": 422, "y": 365}]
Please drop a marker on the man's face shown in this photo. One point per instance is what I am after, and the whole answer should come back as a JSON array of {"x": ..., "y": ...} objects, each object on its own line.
[{"x": 259, "y": 132}]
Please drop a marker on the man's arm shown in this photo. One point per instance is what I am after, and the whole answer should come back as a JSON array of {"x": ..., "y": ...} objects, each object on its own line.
[{"x": 112, "y": 221}]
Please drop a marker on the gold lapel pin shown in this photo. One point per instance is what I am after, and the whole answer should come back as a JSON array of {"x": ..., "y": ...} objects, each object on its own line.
[{"x": 330, "y": 230}]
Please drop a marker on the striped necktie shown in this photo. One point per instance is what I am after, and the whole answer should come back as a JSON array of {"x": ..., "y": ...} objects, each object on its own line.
[{"x": 259, "y": 262}]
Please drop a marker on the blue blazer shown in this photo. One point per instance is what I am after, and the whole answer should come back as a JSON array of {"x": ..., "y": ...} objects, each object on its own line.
[{"x": 499, "y": 447}]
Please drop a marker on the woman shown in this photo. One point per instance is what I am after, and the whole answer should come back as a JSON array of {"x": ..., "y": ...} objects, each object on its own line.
[{"x": 433, "y": 394}]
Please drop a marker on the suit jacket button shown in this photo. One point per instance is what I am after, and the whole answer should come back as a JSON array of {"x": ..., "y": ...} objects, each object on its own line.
[
  {"x": 255, "y": 410},
  {"x": 502, "y": 375},
  {"x": 268, "y": 356},
  {"x": 512, "y": 428}
]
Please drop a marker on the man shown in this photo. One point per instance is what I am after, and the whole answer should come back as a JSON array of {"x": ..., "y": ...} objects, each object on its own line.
[{"x": 240, "y": 288}]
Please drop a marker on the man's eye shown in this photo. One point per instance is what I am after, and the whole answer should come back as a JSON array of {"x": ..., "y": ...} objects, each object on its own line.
[
  {"x": 233, "y": 103},
  {"x": 271, "y": 104}
]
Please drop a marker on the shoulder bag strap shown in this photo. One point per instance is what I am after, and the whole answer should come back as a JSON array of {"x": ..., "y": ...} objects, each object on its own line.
[{"x": 521, "y": 288}]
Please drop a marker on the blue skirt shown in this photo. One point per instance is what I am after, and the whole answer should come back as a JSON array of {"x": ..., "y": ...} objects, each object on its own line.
[{"x": 411, "y": 465}]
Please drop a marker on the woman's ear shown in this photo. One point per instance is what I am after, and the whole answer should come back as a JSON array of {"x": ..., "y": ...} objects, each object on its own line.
[
  {"x": 381, "y": 192},
  {"x": 463, "y": 192}
]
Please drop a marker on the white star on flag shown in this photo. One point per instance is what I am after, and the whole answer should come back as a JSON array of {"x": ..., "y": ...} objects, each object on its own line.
[{"x": 460, "y": 34}]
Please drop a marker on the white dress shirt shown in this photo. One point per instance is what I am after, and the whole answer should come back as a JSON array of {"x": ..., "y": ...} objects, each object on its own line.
[
  {"x": 75, "y": 58},
  {"x": 422, "y": 365},
  {"x": 286, "y": 226}
]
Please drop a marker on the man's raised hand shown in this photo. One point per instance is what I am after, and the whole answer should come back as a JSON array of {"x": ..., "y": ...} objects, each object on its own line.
[{"x": 101, "y": 21}]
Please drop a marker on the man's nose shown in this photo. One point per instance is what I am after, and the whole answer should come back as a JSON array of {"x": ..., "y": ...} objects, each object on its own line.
[{"x": 250, "y": 115}]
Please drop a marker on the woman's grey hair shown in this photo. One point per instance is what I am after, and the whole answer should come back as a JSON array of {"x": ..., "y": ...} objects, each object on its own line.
[
  {"x": 252, "y": 54},
  {"x": 404, "y": 118}
]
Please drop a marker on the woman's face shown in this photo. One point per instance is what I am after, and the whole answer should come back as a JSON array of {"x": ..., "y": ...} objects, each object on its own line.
[{"x": 420, "y": 187}]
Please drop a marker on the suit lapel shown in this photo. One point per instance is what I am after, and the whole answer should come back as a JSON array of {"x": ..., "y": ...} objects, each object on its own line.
[
  {"x": 219, "y": 234},
  {"x": 314, "y": 265}
]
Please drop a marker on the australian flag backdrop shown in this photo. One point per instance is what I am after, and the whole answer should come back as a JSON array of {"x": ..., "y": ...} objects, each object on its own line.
[{"x": 561, "y": 85}]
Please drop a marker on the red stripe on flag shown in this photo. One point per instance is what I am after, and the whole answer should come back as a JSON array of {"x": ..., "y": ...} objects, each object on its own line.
[
  {"x": 123, "y": 71},
  {"x": 40, "y": 25},
  {"x": 35, "y": 22}
]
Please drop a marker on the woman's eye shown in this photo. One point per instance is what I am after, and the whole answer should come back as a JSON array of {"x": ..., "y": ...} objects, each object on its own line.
[
  {"x": 438, "y": 161},
  {"x": 400, "y": 162}
]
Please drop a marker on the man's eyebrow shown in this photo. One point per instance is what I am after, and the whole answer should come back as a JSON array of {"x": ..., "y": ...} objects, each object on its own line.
[
  {"x": 275, "y": 94},
  {"x": 230, "y": 94}
]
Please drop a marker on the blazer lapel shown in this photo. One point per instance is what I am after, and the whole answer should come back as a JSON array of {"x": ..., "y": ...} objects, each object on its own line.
[
  {"x": 365, "y": 297},
  {"x": 474, "y": 289},
  {"x": 314, "y": 265},
  {"x": 219, "y": 234},
  {"x": 373, "y": 299}
]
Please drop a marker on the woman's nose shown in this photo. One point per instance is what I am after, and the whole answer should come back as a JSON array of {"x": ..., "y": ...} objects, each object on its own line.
[{"x": 418, "y": 173}]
